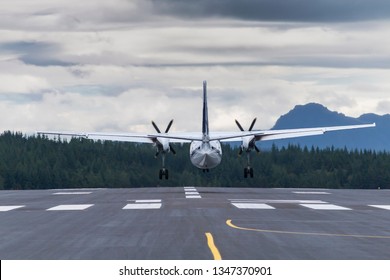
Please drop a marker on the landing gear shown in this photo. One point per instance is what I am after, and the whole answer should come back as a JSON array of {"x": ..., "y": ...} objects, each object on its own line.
[
  {"x": 163, "y": 147},
  {"x": 163, "y": 173},
  {"x": 248, "y": 171},
  {"x": 248, "y": 145}
]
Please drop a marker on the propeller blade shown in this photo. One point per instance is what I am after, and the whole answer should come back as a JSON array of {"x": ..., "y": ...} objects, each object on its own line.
[
  {"x": 239, "y": 125},
  {"x": 156, "y": 127},
  {"x": 169, "y": 126},
  {"x": 257, "y": 149},
  {"x": 240, "y": 152},
  {"x": 252, "y": 124},
  {"x": 172, "y": 149}
]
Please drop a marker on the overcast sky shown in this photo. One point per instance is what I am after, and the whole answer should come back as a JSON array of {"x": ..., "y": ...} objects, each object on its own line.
[{"x": 116, "y": 65}]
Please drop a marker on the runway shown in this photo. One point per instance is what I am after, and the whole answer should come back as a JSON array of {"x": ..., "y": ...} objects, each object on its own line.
[{"x": 186, "y": 223}]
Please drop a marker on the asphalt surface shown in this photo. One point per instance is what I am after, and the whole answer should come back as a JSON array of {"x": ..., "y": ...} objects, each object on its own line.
[{"x": 174, "y": 223}]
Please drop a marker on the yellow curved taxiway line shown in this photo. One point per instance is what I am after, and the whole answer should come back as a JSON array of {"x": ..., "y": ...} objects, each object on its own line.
[
  {"x": 230, "y": 224},
  {"x": 214, "y": 250}
]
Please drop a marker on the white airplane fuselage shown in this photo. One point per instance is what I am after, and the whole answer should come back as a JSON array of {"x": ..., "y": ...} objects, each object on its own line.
[{"x": 205, "y": 154}]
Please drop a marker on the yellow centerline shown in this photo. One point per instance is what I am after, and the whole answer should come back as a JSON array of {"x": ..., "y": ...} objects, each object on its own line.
[
  {"x": 214, "y": 250},
  {"x": 230, "y": 224}
]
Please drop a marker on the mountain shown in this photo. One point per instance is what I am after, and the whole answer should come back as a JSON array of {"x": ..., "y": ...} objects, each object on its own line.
[{"x": 313, "y": 115}]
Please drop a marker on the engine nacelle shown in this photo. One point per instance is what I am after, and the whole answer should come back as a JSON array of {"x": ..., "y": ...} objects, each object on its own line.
[
  {"x": 248, "y": 143},
  {"x": 163, "y": 145}
]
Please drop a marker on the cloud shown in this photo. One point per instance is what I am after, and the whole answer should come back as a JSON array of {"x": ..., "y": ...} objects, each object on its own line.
[
  {"x": 22, "y": 83},
  {"x": 110, "y": 15},
  {"x": 277, "y": 10},
  {"x": 383, "y": 106},
  {"x": 115, "y": 65},
  {"x": 35, "y": 53}
]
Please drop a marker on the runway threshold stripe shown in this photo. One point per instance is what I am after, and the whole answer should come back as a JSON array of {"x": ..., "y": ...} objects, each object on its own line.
[
  {"x": 71, "y": 193},
  {"x": 230, "y": 224},
  {"x": 138, "y": 206},
  {"x": 292, "y": 201},
  {"x": 311, "y": 192},
  {"x": 214, "y": 250},
  {"x": 325, "y": 207},
  {"x": 10, "y": 207},
  {"x": 148, "y": 201},
  {"x": 253, "y": 206},
  {"x": 386, "y": 207},
  {"x": 70, "y": 207}
]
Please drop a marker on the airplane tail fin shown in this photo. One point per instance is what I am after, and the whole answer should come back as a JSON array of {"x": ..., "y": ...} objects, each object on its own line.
[{"x": 205, "y": 121}]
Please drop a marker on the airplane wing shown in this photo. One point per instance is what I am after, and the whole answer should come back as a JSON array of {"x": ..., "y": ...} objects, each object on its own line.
[
  {"x": 128, "y": 137},
  {"x": 263, "y": 135},
  {"x": 187, "y": 137}
]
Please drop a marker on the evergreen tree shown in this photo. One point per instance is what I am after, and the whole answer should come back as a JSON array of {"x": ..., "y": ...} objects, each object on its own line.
[{"x": 36, "y": 162}]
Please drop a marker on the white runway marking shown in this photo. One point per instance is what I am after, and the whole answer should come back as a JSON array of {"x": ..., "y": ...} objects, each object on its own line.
[
  {"x": 193, "y": 196},
  {"x": 9, "y": 208},
  {"x": 386, "y": 207},
  {"x": 75, "y": 193},
  {"x": 311, "y": 192},
  {"x": 137, "y": 206},
  {"x": 264, "y": 204},
  {"x": 278, "y": 201},
  {"x": 325, "y": 207},
  {"x": 191, "y": 192},
  {"x": 147, "y": 201},
  {"x": 143, "y": 204},
  {"x": 70, "y": 207},
  {"x": 253, "y": 206}
]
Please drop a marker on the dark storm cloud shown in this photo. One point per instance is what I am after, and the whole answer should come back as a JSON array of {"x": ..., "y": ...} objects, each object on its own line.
[
  {"x": 277, "y": 10},
  {"x": 35, "y": 53}
]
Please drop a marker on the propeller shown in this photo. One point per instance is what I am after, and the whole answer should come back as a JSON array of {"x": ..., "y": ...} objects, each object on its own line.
[
  {"x": 166, "y": 131},
  {"x": 252, "y": 124},
  {"x": 250, "y": 129},
  {"x": 158, "y": 130}
]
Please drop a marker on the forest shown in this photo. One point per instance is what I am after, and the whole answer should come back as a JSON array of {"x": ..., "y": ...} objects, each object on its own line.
[{"x": 36, "y": 162}]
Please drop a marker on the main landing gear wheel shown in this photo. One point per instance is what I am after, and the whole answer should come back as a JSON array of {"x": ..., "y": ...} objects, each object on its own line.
[
  {"x": 248, "y": 171},
  {"x": 163, "y": 149},
  {"x": 163, "y": 173}
]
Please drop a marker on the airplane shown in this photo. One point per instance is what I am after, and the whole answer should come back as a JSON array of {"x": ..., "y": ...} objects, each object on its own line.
[{"x": 205, "y": 146}]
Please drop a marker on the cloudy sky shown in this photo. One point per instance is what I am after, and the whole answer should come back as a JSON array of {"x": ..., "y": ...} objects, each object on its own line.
[{"x": 116, "y": 65}]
